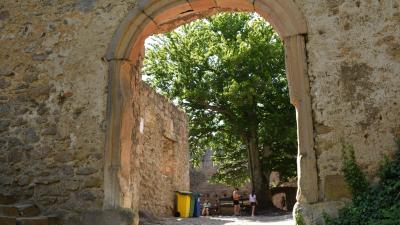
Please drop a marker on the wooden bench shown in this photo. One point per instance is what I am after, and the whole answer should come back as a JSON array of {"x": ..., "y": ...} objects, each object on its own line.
[{"x": 226, "y": 206}]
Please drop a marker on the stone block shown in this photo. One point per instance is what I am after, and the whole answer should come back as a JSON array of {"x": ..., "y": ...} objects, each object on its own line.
[
  {"x": 4, "y": 124},
  {"x": 71, "y": 185},
  {"x": 30, "y": 78},
  {"x": 4, "y": 109},
  {"x": 7, "y": 199},
  {"x": 139, "y": 26},
  {"x": 201, "y": 5},
  {"x": 239, "y": 5},
  {"x": 48, "y": 180},
  {"x": 67, "y": 171},
  {"x": 28, "y": 210},
  {"x": 313, "y": 213},
  {"x": 50, "y": 131},
  {"x": 86, "y": 171},
  {"x": 108, "y": 217},
  {"x": 53, "y": 220},
  {"x": 7, "y": 220},
  {"x": 24, "y": 180},
  {"x": 283, "y": 15},
  {"x": 64, "y": 157},
  {"x": 4, "y": 98},
  {"x": 4, "y": 83},
  {"x": 40, "y": 220},
  {"x": 42, "y": 90},
  {"x": 93, "y": 182},
  {"x": 87, "y": 195},
  {"x": 336, "y": 188},
  {"x": 40, "y": 57},
  {"x": 6, "y": 72},
  {"x": 30, "y": 136},
  {"x": 7, "y": 210},
  {"x": 14, "y": 156},
  {"x": 85, "y": 5}
]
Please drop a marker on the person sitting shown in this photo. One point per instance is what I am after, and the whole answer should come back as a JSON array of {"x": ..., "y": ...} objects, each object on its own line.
[
  {"x": 206, "y": 208},
  {"x": 216, "y": 205}
]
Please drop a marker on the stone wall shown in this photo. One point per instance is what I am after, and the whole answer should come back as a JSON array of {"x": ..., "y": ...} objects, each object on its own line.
[
  {"x": 53, "y": 90},
  {"x": 199, "y": 179},
  {"x": 164, "y": 162},
  {"x": 353, "y": 58},
  {"x": 53, "y": 87},
  {"x": 353, "y": 61}
]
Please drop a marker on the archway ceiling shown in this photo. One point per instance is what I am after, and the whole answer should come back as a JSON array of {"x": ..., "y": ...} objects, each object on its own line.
[{"x": 158, "y": 16}]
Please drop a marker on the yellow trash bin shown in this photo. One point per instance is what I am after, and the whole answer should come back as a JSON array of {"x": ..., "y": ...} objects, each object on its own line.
[{"x": 183, "y": 203}]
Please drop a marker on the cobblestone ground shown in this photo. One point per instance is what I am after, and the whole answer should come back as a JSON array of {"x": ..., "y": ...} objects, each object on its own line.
[{"x": 229, "y": 220}]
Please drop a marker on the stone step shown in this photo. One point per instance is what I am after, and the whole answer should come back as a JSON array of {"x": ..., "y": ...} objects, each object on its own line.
[
  {"x": 8, "y": 210},
  {"x": 7, "y": 199},
  {"x": 4, "y": 220},
  {"x": 27, "y": 210},
  {"x": 39, "y": 220},
  {"x": 19, "y": 210}
]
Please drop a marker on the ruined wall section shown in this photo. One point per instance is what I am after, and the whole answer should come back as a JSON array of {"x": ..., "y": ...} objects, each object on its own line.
[
  {"x": 200, "y": 179},
  {"x": 53, "y": 88},
  {"x": 164, "y": 161},
  {"x": 353, "y": 52}
]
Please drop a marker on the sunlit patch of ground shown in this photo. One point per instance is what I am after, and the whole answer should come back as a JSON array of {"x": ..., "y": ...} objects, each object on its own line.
[{"x": 229, "y": 220}]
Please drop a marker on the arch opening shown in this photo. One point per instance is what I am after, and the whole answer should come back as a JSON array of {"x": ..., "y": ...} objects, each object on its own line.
[{"x": 125, "y": 55}]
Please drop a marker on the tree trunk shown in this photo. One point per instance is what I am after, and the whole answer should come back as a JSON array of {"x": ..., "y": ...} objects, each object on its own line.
[{"x": 259, "y": 180}]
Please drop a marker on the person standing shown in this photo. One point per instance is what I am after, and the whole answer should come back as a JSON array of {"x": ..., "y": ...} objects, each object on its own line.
[
  {"x": 236, "y": 203},
  {"x": 253, "y": 202}
]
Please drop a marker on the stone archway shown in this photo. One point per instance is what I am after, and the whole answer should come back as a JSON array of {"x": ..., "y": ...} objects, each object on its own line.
[{"x": 124, "y": 56}]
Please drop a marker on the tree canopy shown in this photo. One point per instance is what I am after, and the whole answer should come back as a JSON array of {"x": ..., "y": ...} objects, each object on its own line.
[{"x": 228, "y": 73}]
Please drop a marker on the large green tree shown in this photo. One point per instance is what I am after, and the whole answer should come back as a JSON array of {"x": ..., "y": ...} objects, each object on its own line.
[{"x": 227, "y": 72}]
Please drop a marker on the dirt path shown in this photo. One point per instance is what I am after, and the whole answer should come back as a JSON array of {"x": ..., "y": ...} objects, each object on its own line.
[{"x": 228, "y": 220}]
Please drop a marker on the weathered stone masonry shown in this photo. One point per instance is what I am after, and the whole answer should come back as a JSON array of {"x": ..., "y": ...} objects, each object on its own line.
[
  {"x": 164, "y": 164},
  {"x": 54, "y": 83}
]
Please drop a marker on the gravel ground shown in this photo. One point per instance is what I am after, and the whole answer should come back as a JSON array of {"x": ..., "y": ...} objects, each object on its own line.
[{"x": 229, "y": 220}]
